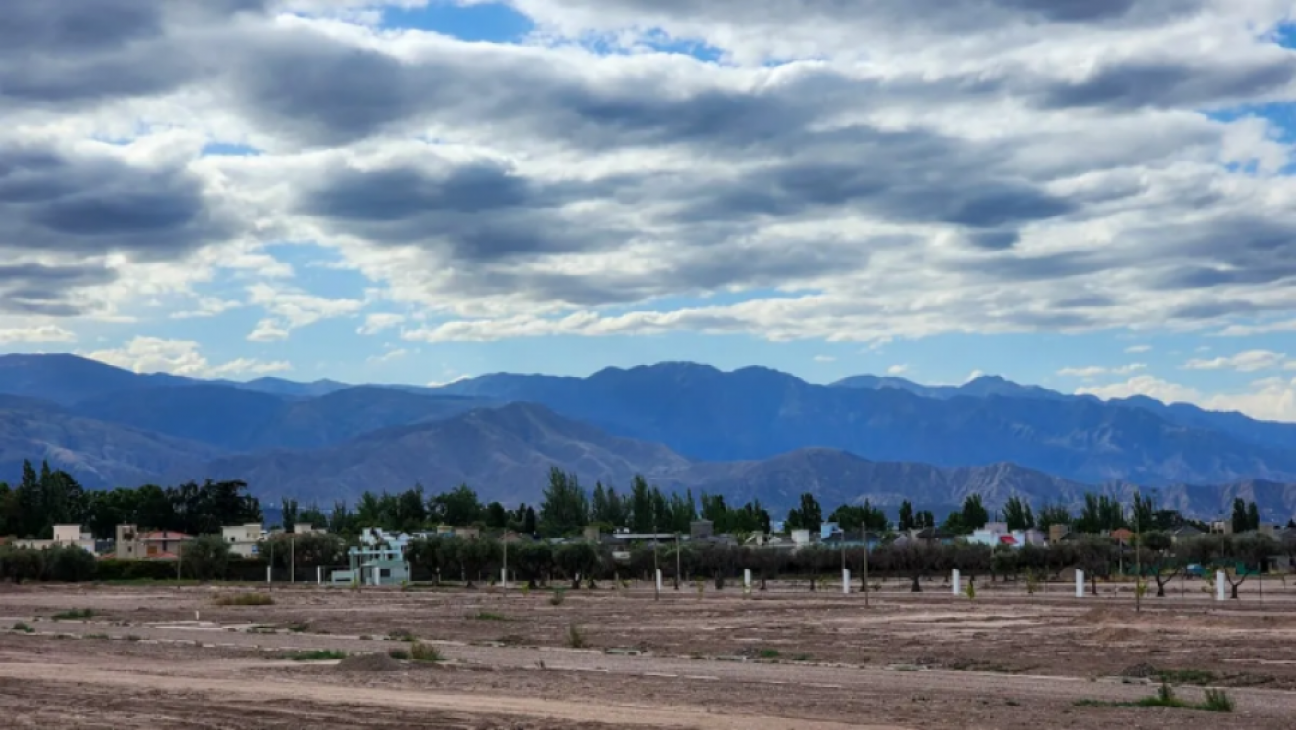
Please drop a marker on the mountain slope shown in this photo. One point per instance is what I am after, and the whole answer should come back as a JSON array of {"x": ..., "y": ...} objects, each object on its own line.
[
  {"x": 67, "y": 379},
  {"x": 235, "y": 419},
  {"x": 99, "y": 454},
  {"x": 506, "y": 453},
  {"x": 756, "y": 413}
]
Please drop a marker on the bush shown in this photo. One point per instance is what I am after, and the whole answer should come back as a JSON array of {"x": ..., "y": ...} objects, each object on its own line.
[
  {"x": 112, "y": 569},
  {"x": 421, "y": 652},
  {"x": 20, "y": 626},
  {"x": 559, "y": 595},
  {"x": 575, "y": 638},
  {"x": 69, "y": 564},
  {"x": 205, "y": 558},
  {"x": 1217, "y": 700},
  {"x": 75, "y": 614},
  {"x": 315, "y": 656},
  {"x": 20, "y": 564},
  {"x": 244, "y": 599},
  {"x": 399, "y": 654}
]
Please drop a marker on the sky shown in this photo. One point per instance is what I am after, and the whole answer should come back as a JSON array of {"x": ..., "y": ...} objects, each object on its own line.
[{"x": 1091, "y": 195}]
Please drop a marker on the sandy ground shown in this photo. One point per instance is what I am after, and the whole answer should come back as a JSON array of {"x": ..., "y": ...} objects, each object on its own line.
[{"x": 788, "y": 658}]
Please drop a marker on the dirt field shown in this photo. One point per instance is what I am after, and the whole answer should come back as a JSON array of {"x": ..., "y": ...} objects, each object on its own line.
[{"x": 786, "y": 658}]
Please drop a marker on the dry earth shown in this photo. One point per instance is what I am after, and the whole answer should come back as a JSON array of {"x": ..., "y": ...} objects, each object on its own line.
[{"x": 784, "y": 658}]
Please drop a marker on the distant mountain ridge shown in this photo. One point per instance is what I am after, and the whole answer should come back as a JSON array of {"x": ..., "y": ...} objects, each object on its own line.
[{"x": 750, "y": 433}]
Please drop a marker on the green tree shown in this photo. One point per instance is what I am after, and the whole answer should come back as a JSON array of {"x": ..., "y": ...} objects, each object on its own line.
[
  {"x": 641, "y": 505},
  {"x": 289, "y": 507},
  {"x": 1017, "y": 514},
  {"x": 1054, "y": 514},
  {"x": 205, "y": 557},
  {"x": 906, "y": 521},
  {"x": 975, "y": 516},
  {"x": 459, "y": 507},
  {"x": 565, "y": 509},
  {"x": 1253, "y": 516},
  {"x": 1241, "y": 520},
  {"x": 496, "y": 516},
  {"x": 808, "y": 516}
]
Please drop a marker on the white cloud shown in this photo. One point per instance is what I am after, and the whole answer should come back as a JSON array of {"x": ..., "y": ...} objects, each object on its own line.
[
  {"x": 1249, "y": 361},
  {"x": 897, "y": 370},
  {"x": 1268, "y": 398},
  {"x": 292, "y": 309},
  {"x": 208, "y": 307},
  {"x": 388, "y": 356},
  {"x": 1093, "y": 371},
  {"x": 973, "y": 376},
  {"x": 379, "y": 322},
  {"x": 824, "y": 358},
  {"x": 451, "y": 381},
  {"x": 180, "y": 357},
  {"x": 1137, "y": 349},
  {"x": 40, "y": 333}
]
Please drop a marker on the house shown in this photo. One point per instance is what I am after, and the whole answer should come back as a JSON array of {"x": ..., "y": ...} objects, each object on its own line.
[
  {"x": 158, "y": 545},
  {"x": 379, "y": 560},
  {"x": 1185, "y": 532},
  {"x": 64, "y": 535},
  {"x": 243, "y": 539}
]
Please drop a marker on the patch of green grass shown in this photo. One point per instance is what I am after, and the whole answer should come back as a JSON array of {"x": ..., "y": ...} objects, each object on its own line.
[
  {"x": 20, "y": 626},
  {"x": 399, "y": 654},
  {"x": 1217, "y": 700},
  {"x": 132, "y": 637},
  {"x": 97, "y": 637},
  {"x": 314, "y": 656},
  {"x": 488, "y": 616},
  {"x": 421, "y": 652},
  {"x": 768, "y": 654},
  {"x": 801, "y": 658},
  {"x": 244, "y": 599},
  {"x": 74, "y": 614}
]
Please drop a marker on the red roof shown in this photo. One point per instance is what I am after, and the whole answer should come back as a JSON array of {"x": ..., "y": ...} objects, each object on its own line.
[
  {"x": 1007, "y": 540},
  {"x": 1122, "y": 534}
]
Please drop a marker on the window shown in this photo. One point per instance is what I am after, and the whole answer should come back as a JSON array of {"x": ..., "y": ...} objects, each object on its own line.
[{"x": 384, "y": 572}]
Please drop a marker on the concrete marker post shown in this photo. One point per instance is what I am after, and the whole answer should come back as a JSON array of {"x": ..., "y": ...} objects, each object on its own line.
[
  {"x": 659, "y": 580},
  {"x": 846, "y": 581},
  {"x": 954, "y": 582},
  {"x": 1079, "y": 584},
  {"x": 268, "y": 574},
  {"x": 747, "y": 586},
  {"x": 504, "y": 578},
  {"x": 1219, "y": 585}
]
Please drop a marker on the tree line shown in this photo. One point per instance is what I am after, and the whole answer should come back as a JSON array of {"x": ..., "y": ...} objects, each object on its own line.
[{"x": 48, "y": 497}]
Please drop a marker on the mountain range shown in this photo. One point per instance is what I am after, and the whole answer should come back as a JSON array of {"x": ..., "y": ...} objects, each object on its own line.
[{"x": 753, "y": 433}]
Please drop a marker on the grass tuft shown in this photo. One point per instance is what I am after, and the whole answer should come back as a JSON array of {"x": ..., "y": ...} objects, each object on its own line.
[
  {"x": 400, "y": 654},
  {"x": 1217, "y": 700},
  {"x": 314, "y": 656},
  {"x": 575, "y": 637},
  {"x": 74, "y": 614},
  {"x": 20, "y": 626},
  {"x": 559, "y": 595},
  {"x": 402, "y": 635},
  {"x": 488, "y": 616},
  {"x": 421, "y": 652},
  {"x": 244, "y": 599}
]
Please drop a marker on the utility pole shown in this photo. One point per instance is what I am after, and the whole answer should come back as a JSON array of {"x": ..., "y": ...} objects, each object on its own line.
[
  {"x": 1138, "y": 558},
  {"x": 292, "y": 559},
  {"x": 655, "y": 576},
  {"x": 677, "y": 561},
  {"x": 866, "y": 585},
  {"x": 504, "y": 576}
]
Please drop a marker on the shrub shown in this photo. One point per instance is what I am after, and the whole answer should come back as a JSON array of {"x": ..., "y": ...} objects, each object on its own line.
[
  {"x": 401, "y": 635},
  {"x": 559, "y": 595},
  {"x": 1217, "y": 700},
  {"x": 69, "y": 564},
  {"x": 74, "y": 615},
  {"x": 20, "y": 626},
  {"x": 244, "y": 599},
  {"x": 315, "y": 656},
  {"x": 399, "y": 654},
  {"x": 487, "y": 616},
  {"x": 20, "y": 564},
  {"x": 205, "y": 558},
  {"x": 421, "y": 652},
  {"x": 575, "y": 638}
]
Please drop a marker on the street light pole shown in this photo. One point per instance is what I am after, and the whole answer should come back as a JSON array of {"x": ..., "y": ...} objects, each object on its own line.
[
  {"x": 656, "y": 571},
  {"x": 1138, "y": 558},
  {"x": 677, "y": 561}
]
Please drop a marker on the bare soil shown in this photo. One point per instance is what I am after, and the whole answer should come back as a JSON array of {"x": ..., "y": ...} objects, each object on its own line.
[{"x": 783, "y": 658}]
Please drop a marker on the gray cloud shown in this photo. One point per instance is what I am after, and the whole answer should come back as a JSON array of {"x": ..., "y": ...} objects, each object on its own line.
[
  {"x": 57, "y": 203},
  {"x": 37, "y": 289}
]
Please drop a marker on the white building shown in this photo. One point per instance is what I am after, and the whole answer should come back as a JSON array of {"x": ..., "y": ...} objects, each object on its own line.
[
  {"x": 243, "y": 539},
  {"x": 64, "y": 535}
]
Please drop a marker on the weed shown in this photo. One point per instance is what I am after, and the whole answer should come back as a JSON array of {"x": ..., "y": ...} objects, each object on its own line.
[
  {"x": 511, "y": 640},
  {"x": 1012, "y": 703},
  {"x": 970, "y": 591},
  {"x": 801, "y": 658},
  {"x": 299, "y": 627},
  {"x": 1217, "y": 700},
  {"x": 421, "y": 652},
  {"x": 402, "y": 635},
  {"x": 399, "y": 654},
  {"x": 97, "y": 637},
  {"x": 576, "y": 639},
  {"x": 244, "y": 599},
  {"x": 768, "y": 654},
  {"x": 20, "y": 626},
  {"x": 314, "y": 656},
  {"x": 1186, "y": 676},
  {"x": 487, "y": 616},
  {"x": 73, "y": 615},
  {"x": 366, "y": 637},
  {"x": 132, "y": 637},
  {"x": 559, "y": 595}
]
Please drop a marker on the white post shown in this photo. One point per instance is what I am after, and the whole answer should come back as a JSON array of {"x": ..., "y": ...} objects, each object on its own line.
[
  {"x": 1219, "y": 585},
  {"x": 747, "y": 579},
  {"x": 1079, "y": 584},
  {"x": 504, "y": 578},
  {"x": 319, "y": 575},
  {"x": 659, "y": 580},
  {"x": 267, "y": 573},
  {"x": 846, "y": 581},
  {"x": 954, "y": 582}
]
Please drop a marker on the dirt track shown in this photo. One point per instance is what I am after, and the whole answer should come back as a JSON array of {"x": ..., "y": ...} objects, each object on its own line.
[{"x": 783, "y": 661}]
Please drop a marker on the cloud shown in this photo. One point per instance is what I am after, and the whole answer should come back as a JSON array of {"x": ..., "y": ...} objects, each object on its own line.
[
  {"x": 1246, "y": 362},
  {"x": 380, "y": 322},
  {"x": 180, "y": 357},
  {"x": 824, "y": 358},
  {"x": 292, "y": 309},
  {"x": 208, "y": 307},
  {"x": 897, "y": 370},
  {"x": 1094, "y": 371},
  {"x": 388, "y": 356},
  {"x": 1267, "y": 398},
  {"x": 40, "y": 333},
  {"x": 1138, "y": 349}
]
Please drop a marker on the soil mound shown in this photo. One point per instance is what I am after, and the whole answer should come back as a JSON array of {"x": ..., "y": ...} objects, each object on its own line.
[{"x": 369, "y": 663}]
